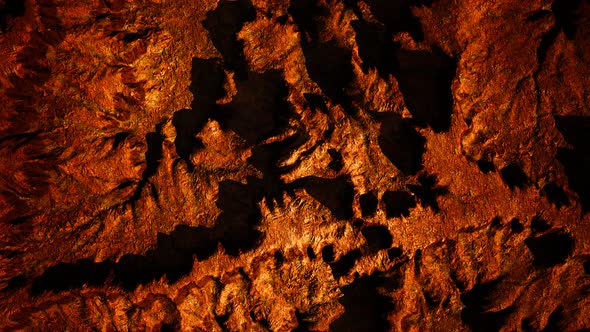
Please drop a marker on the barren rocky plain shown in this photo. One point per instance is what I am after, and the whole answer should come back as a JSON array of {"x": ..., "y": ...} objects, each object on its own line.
[{"x": 302, "y": 165}]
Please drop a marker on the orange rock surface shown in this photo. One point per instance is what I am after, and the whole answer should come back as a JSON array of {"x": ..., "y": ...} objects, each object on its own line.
[{"x": 305, "y": 165}]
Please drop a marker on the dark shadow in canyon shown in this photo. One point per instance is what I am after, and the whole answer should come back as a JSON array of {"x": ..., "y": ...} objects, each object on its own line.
[
  {"x": 328, "y": 63},
  {"x": 336, "y": 194},
  {"x": 328, "y": 254},
  {"x": 374, "y": 47},
  {"x": 368, "y": 202},
  {"x": 555, "y": 195},
  {"x": 10, "y": 10},
  {"x": 550, "y": 249},
  {"x": 345, "y": 263},
  {"x": 398, "y": 203},
  {"x": 566, "y": 16},
  {"x": 308, "y": 15},
  {"x": 514, "y": 176},
  {"x": 153, "y": 155},
  {"x": 259, "y": 110},
  {"x": 378, "y": 237},
  {"x": 336, "y": 163},
  {"x": 207, "y": 79},
  {"x": 424, "y": 78},
  {"x": 396, "y": 16},
  {"x": 516, "y": 226},
  {"x": 223, "y": 24},
  {"x": 485, "y": 166},
  {"x": 173, "y": 256},
  {"x": 401, "y": 143},
  {"x": 64, "y": 276},
  {"x": 236, "y": 227},
  {"x": 266, "y": 158},
  {"x": 316, "y": 102},
  {"x": 427, "y": 191},
  {"x": 478, "y": 312},
  {"x": 366, "y": 308},
  {"x": 395, "y": 253},
  {"x": 539, "y": 225},
  {"x": 576, "y": 158}
]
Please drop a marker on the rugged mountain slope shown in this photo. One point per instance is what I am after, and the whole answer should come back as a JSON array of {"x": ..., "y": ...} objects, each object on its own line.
[{"x": 254, "y": 165}]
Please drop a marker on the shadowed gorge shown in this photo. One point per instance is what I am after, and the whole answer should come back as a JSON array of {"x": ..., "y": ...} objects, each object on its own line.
[
  {"x": 9, "y": 10},
  {"x": 478, "y": 312},
  {"x": 513, "y": 176},
  {"x": 327, "y": 63},
  {"x": 301, "y": 165},
  {"x": 550, "y": 249},
  {"x": 377, "y": 237},
  {"x": 401, "y": 143},
  {"x": 424, "y": 78},
  {"x": 576, "y": 160},
  {"x": 335, "y": 194},
  {"x": 425, "y": 81},
  {"x": 207, "y": 79},
  {"x": 398, "y": 203},
  {"x": 223, "y": 24},
  {"x": 258, "y": 110},
  {"x": 173, "y": 256},
  {"x": 366, "y": 309},
  {"x": 368, "y": 204}
]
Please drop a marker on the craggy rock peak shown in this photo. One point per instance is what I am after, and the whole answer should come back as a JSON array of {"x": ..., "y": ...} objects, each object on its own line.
[{"x": 302, "y": 165}]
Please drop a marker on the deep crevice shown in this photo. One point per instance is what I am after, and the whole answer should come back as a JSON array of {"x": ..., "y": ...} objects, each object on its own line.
[
  {"x": 555, "y": 194},
  {"x": 223, "y": 24},
  {"x": 336, "y": 194},
  {"x": 328, "y": 255},
  {"x": 424, "y": 78},
  {"x": 378, "y": 237},
  {"x": 401, "y": 143},
  {"x": 516, "y": 226},
  {"x": 396, "y": 16},
  {"x": 513, "y": 176},
  {"x": 235, "y": 228},
  {"x": 565, "y": 16},
  {"x": 365, "y": 307},
  {"x": 10, "y": 10},
  {"x": 576, "y": 160},
  {"x": 327, "y": 63},
  {"x": 478, "y": 312},
  {"x": 485, "y": 166},
  {"x": 344, "y": 264},
  {"x": 368, "y": 202},
  {"x": 336, "y": 163},
  {"x": 207, "y": 78},
  {"x": 398, "y": 203},
  {"x": 555, "y": 321},
  {"x": 550, "y": 249},
  {"x": 427, "y": 191},
  {"x": 259, "y": 110},
  {"x": 539, "y": 225},
  {"x": 316, "y": 102}
]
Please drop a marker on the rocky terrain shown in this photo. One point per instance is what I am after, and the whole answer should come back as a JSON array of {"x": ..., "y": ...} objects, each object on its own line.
[{"x": 302, "y": 165}]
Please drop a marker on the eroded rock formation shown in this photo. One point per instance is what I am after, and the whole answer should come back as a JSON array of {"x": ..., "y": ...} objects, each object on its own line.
[{"x": 253, "y": 165}]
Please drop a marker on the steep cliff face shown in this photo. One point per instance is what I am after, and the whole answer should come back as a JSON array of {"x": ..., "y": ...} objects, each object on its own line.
[{"x": 252, "y": 165}]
